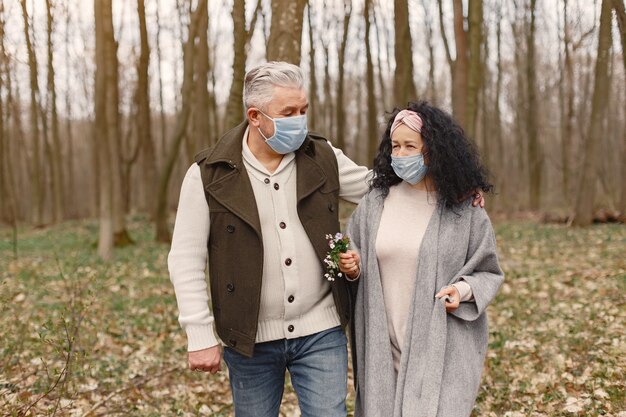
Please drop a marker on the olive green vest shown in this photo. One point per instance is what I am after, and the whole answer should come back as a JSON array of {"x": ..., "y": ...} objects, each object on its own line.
[{"x": 235, "y": 244}]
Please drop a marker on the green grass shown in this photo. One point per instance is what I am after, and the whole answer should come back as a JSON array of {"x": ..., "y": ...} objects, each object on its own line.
[{"x": 557, "y": 342}]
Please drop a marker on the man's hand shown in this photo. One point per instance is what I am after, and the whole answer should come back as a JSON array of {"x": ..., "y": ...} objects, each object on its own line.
[
  {"x": 206, "y": 360},
  {"x": 478, "y": 199}
]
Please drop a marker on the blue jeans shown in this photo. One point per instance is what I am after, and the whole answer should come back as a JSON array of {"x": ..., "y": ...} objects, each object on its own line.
[{"x": 318, "y": 365}]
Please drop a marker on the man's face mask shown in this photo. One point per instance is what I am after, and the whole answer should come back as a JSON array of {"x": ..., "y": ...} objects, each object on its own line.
[{"x": 289, "y": 133}]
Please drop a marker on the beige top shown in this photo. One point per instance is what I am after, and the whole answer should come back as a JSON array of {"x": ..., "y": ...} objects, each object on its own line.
[{"x": 405, "y": 216}]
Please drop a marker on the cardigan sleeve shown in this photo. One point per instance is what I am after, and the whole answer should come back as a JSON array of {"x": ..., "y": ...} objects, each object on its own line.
[
  {"x": 481, "y": 270},
  {"x": 187, "y": 262},
  {"x": 352, "y": 177}
]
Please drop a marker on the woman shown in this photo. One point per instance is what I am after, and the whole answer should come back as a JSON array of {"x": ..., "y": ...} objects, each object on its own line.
[{"x": 429, "y": 271}]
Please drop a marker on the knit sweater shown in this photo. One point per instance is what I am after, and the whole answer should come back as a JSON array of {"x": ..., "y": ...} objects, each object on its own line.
[{"x": 311, "y": 309}]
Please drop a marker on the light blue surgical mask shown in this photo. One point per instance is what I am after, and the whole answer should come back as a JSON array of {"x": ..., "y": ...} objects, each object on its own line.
[
  {"x": 410, "y": 168},
  {"x": 289, "y": 133}
]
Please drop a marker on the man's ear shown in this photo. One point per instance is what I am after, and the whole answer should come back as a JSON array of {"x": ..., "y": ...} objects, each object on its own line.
[{"x": 253, "y": 115}]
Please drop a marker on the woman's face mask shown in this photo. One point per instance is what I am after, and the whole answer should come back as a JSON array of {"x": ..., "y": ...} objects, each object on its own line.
[
  {"x": 289, "y": 133},
  {"x": 410, "y": 168}
]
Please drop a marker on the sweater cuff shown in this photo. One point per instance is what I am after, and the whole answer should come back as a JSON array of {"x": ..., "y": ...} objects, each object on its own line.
[
  {"x": 464, "y": 289},
  {"x": 200, "y": 337}
]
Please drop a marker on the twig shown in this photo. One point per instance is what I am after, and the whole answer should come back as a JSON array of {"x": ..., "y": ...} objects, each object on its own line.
[{"x": 136, "y": 384}]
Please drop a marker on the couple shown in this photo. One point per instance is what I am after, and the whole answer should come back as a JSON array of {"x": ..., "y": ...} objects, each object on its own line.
[{"x": 258, "y": 206}]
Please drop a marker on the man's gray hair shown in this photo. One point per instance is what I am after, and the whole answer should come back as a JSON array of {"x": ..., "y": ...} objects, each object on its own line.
[{"x": 260, "y": 81}]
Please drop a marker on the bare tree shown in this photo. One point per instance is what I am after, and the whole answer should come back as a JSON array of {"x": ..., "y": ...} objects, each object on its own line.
[
  {"x": 475, "y": 67},
  {"x": 535, "y": 154},
  {"x": 144, "y": 120},
  {"x": 58, "y": 177},
  {"x": 339, "y": 108},
  {"x": 201, "y": 127},
  {"x": 160, "y": 75},
  {"x": 620, "y": 11},
  {"x": 403, "y": 84},
  {"x": 241, "y": 41},
  {"x": 112, "y": 214},
  {"x": 105, "y": 186},
  {"x": 38, "y": 192},
  {"x": 566, "y": 86},
  {"x": 586, "y": 195},
  {"x": 284, "y": 43},
  {"x": 432, "y": 83},
  {"x": 313, "y": 95},
  {"x": 372, "y": 129},
  {"x": 162, "y": 228},
  {"x": 458, "y": 66},
  {"x": 70, "y": 196}
]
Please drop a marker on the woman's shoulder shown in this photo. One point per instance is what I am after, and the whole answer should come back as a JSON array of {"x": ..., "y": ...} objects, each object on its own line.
[{"x": 465, "y": 211}]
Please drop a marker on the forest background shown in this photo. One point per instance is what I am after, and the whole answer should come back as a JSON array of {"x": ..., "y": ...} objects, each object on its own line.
[{"x": 103, "y": 104}]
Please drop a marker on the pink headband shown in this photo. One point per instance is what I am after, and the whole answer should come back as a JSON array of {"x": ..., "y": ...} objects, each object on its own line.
[{"x": 410, "y": 119}]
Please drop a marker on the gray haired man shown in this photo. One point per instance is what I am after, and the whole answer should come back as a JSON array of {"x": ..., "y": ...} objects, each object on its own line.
[{"x": 257, "y": 206}]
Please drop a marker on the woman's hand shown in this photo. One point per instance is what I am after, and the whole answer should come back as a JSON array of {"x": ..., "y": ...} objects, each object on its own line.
[
  {"x": 350, "y": 264},
  {"x": 454, "y": 298}
]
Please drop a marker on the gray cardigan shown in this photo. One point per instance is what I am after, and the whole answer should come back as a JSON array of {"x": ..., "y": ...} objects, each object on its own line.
[{"x": 443, "y": 356}]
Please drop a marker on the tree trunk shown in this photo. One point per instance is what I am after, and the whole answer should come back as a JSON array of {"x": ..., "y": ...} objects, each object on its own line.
[
  {"x": 620, "y": 11},
  {"x": 234, "y": 108},
  {"x": 372, "y": 129},
  {"x": 201, "y": 124},
  {"x": 105, "y": 185},
  {"x": 313, "y": 95},
  {"x": 432, "y": 83},
  {"x": 241, "y": 43},
  {"x": 70, "y": 196},
  {"x": 160, "y": 75},
  {"x": 403, "y": 84},
  {"x": 535, "y": 154},
  {"x": 37, "y": 191},
  {"x": 498, "y": 166},
  {"x": 583, "y": 215},
  {"x": 568, "y": 107},
  {"x": 381, "y": 82},
  {"x": 144, "y": 120},
  {"x": 460, "y": 71},
  {"x": 58, "y": 177},
  {"x": 7, "y": 182},
  {"x": 286, "y": 31},
  {"x": 340, "y": 115},
  {"x": 162, "y": 228},
  {"x": 120, "y": 234},
  {"x": 521, "y": 105},
  {"x": 475, "y": 65}
]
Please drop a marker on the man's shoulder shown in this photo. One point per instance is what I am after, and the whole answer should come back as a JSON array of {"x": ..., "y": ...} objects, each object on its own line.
[{"x": 203, "y": 155}]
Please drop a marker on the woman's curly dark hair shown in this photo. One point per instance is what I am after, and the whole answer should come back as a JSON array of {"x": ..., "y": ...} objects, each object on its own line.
[{"x": 453, "y": 161}]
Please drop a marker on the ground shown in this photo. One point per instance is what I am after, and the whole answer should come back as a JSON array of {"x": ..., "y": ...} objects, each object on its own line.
[{"x": 83, "y": 337}]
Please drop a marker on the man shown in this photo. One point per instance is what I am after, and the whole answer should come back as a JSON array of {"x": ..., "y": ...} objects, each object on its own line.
[{"x": 258, "y": 205}]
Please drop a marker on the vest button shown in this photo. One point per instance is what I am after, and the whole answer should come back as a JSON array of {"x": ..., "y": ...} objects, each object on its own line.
[
  {"x": 331, "y": 207},
  {"x": 282, "y": 225},
  {"x": 230, "y": 288},
  {"x": 266, "y": 180},
  {"x": 230, "y": 228},
  {"x": 291, "y": 298},
  {"x": 232, "y": 342},
  {"x": 288, "y": 261},
  {"x": 276, "y": 186},
  {"x": 291, "y": 328}
]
